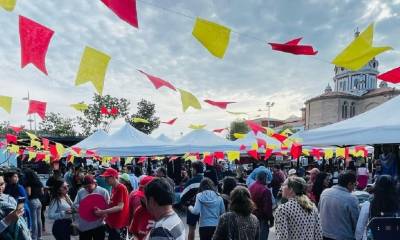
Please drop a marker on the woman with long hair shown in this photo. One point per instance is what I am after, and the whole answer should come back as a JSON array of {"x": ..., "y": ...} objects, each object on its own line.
[
  {"x": 210, "y": 205},
  {"x": 34, "y": 190},
  {"x": 228, "y": 184},
  {"x": 298, "y": 218},
  {"x": 385, "y": 202},
  {"x": 321, "y": 183},
  {"x": 239, "y": 223},
  {"x": 60, "y": 210}
]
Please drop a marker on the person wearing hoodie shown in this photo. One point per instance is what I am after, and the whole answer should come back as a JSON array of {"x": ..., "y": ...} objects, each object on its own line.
[{"x": 210, "y": 205}]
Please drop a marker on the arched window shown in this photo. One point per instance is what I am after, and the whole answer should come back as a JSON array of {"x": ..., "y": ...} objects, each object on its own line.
[
  {"x": 352, "y": 109},
  {"x": 344, "y": 110}
]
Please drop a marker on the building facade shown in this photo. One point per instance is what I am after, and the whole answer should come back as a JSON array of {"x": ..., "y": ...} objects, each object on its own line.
[{"x": 354, "y": 92}]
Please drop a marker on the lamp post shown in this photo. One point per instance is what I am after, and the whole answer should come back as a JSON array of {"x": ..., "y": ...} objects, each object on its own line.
[
  {"x": 269, "y": 106},
  {"x": 30, "y": 120}
]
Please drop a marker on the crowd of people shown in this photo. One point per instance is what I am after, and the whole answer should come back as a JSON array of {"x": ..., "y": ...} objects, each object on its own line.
[{"x": 237, "y": 205}]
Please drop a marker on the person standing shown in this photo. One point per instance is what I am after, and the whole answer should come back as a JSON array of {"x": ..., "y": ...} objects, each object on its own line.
[
  {"x": 262, "y": 197},
  {"x": 61, "y": 210},
  {"x": 322, "y": 181},
  {"x": 162, "y": 173},
  {"x": 34, "y": 189},
  {"x": 210, "y": 206},
  {"x": 339, "y": 209},
  {"x": 117, "y": 213},
  {"x": 278, "y": 177},
  {"x": 159, "y": 199},
  {"x": 228, "y": 184},
  {"x": 297, "y": 219},
  {"x": 94, "y": 230}
]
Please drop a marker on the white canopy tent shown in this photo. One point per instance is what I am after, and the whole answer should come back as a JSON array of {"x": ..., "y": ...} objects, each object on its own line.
[
  {"x": 379, "y": 125},
  {"x": 93, "y": 140},
  {"x": 164, "y": 138}
]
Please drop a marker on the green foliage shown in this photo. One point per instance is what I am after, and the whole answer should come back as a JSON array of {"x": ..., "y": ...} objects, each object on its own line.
[
  {"x": 237, "y": 127},
  {"x": 56, "y": 125},
  {"x": 4, "y": 129},
  {"x": 146, "y": 110},
  {"x": 93, "y": 119}
]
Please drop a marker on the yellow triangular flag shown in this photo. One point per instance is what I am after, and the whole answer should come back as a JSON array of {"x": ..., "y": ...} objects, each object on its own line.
[
  {"x": 254, "y": 146},
  {"x": 328, "y": 153},
  {"x": 212, "y": 36},
  {"x": 287, "y": 132},
  {"x": 239, "y": 135},
  {"x": 60, "y": 149},
  {"x": 269, "y": 131},
  {"x": 272, "y": 146},
  {"x": 80, "y": 106},
  {"x": 93, "y": 68},
  {"x": 8, "y": 5},
  {"x": 35, "y": 143},
  {"x": 13, "y": 148},
  {"x": 360, "y": 51},
  {"x": 140, "y": 120},
  {"x": 233, "y": 155},
  {"x": 189, "y": 100},
  {"x": 72, "y": 159},
  {"x": 197, "y": 126},
  {"x": 306, "y": 152},
  {"x": 47, "y": 158},
  {"x": 340, "y": 152},
  {"x": 32, "y": 136},
  {"x": 31, "y": 155},
  {"x": 128, "y": 160},
  {"x": 5, "y": 103}
]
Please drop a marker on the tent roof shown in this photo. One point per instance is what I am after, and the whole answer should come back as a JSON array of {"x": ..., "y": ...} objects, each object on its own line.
[
  {"x": 164, "y": 138},
  {"x": 377, "y": 126},
  {"x": 93, "y": 140}
]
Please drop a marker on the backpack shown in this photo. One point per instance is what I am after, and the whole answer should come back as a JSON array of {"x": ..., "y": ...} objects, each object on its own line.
[{"x": 16, "y": 231}]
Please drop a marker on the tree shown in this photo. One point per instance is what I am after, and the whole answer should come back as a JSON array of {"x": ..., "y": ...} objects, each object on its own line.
[
  {"x": 4, "y": 129},
  {"x": 237, "y": 127},
  {"x": 56, "y": 125},
  {"x": 146, "y": 110},
  {"x": 93, "y": 119}
]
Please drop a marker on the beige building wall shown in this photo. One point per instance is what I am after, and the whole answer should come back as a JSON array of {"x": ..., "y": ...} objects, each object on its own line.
[{"x": 322, "y": 112}]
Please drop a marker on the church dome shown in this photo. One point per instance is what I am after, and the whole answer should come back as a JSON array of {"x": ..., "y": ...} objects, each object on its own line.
[{"x": 328, "y": 88}]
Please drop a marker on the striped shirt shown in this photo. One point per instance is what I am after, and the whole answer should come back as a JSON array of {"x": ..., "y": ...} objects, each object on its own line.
[{"x": 168, "y": 228}]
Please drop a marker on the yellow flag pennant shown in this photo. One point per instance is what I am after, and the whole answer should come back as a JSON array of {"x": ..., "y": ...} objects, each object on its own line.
[
  {"x": 239, "y": 135},
  {"x": 233, "y": 155},
  {"x": 6, "y": 102},
  {"x": 189, "y": 100},
  {"x": 272, "y": 146},
  {"x": 47, "y": 158},
  {"x": 13, "y": 148},
  {"x": 93, "y": 68},
  {"x": 306, "y": 152},
  {"x": 80, "y": 106},
  {"x": 212, "y": 36},
  {"x": 269, "y": 131},
  {"x": 128, "y": 160},
  {"x": 287, "y": 132},
  {"x": 8, "y": 5},
  {"x": 32, "y": 136},
  {"x": 360, "y": 51},
  {"x": 254, "y": 146},
  {"x": 140, "y": 120},
  {"x": 328, "y": 153},
  {"x": 197, "y": 126},
  {"x": 340, "y": 152},
  {"x": 35, "y": 143},
  {"x": 31, "y": 155},
  {"x": 60, "y": 149}
]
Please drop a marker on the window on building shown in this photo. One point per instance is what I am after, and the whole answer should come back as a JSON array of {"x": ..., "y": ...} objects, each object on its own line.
[
  {"x": 344, "y": 110},
  {"x": 344, "y": 86},
  {"x": 352, "y": 109}
]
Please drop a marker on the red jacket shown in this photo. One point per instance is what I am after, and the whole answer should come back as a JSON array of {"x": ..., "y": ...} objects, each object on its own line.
[{"x": 262, "y": 197}]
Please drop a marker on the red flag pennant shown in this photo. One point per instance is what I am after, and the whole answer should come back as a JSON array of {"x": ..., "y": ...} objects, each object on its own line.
[
  {"x": 69, "y": 157},
  {"x": 361, "y": 148},
  {"x": 40, "y": 156},
  {"x": 242, "y": 147},
  {"x": 208, "y": 160},
  {"x": 316, "y": 153},
  {"x": 261, "y": 143},
  {"x": 53, "y": 151},
  {"x": 90, "y": 153},
  {"x": 296, "y": 150},
  {"x": 17, "y": 130},
  {"x": 219, "y": 155},
  {"x": 11, "y": 139},
  {"x": 281, "y": 138},
  {"x": 35, "y": 39},
  {"x": 158, "y": 82},
  {"x": 255, "y": 126},
  {"x": 114, "y": 160},
  {"x": 142, "y": 159},
  {"x": 114, "y": 111},
  {"x": 104, "y": 110},
  {"x": 268, "y": 153},
  {"x": 219, "y": 130},
  {"x": 392, "y": 76},
  {"x": 173, "y": 158},
  {"x": 293, "y": 47},
  {"x": 253, "y": 154},
  {"x": 170, "y": 122},
  {"x": 124, "y": 9},
  {"x": 45, "y": 142},
  {"x": 221, "y": 105},
  {"x": 21, "y": 152},
  {"x": 37, "y": 107},
  {"x": 77, "y": 150}
]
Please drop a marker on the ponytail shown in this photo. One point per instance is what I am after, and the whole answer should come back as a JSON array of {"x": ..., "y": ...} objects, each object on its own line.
[{"x": 305, "y": 203}]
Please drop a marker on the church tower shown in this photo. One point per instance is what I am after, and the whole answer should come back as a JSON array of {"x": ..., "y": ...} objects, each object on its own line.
[{"x": 356, "y": 82}]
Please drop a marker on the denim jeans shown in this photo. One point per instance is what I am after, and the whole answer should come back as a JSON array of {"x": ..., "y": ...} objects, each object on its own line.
[
  {"x": 35, "y": 207},
  {"x": 264, "y": 230}
]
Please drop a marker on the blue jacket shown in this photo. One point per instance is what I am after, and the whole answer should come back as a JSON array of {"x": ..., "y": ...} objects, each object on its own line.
[{"x": 210, "y": 206}]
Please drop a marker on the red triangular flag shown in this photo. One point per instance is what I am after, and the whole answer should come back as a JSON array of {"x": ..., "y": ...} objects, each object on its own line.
[
  {"x": 158, "y": 82},
  {"x": 53, "y": 151},
  {"x": 316, "y": 153},
  {"x": 17, "y": 130},
  {"x": 219, "y": 155},
  {"x": 361, "y": 148},
  {"x": 268, "y": 153},
  {"x": 293, "y": 47},
  {"x": 392, "y": 76},
  {"x": 253, "y": 154},
  {"x": 221, "y": 105},
  {"x": 255, "y": 126},
  {"x": 11, "y": 139},
  {"x": 89, "y": 153},
  {"x": 21, "y": 152},
  {"x": 114, "y": 111},
  {"x": 35, "y": 39},
  {"x": 296, "y": 150},
  {"x": 142, "y": 159},
  {"x": 173, "y": 158},
  {"x": 170, "y": 122},
  {"x": 208, "y": 160},
  {"x": 104, "y": 110},
  {"x": 77, "y": 150},
  {"x": 45, "y": 142},
  {"x": 69, "y": 157},
  {"x": 261, "y": 143},
  {"x": 40, "y": 156},
  {"x": 219, "y": 130},
  {"x": 37, "y": 107},
  {"x": 125, "y": 9},
  {"x": 281, "y": 138},
  {"x": 242, "y": 147}
]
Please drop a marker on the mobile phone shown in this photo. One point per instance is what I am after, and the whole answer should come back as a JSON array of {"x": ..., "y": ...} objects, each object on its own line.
[{"x": 21, "y": 202}]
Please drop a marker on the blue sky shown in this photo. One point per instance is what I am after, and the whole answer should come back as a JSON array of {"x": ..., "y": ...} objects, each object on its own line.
[{"x": 250, "y": 73}]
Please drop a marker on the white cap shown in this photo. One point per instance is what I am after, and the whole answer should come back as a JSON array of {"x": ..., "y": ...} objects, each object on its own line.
[{"x": 292, "y": 171}]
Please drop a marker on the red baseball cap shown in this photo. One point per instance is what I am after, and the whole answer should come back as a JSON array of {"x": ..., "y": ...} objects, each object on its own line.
[
  {"x": 145, "y": 180},
  {"x": 88, "y": 179},
  {"x": 110, "y": 172}
]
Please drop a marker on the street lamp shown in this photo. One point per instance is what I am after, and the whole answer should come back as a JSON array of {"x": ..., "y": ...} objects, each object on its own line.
[
  {"x": 30, "y": 120},
  {"x": 269, "y": 106}
]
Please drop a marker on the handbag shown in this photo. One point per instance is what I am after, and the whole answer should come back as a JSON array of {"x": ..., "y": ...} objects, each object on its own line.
[{"x": 73, "y": 228}]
